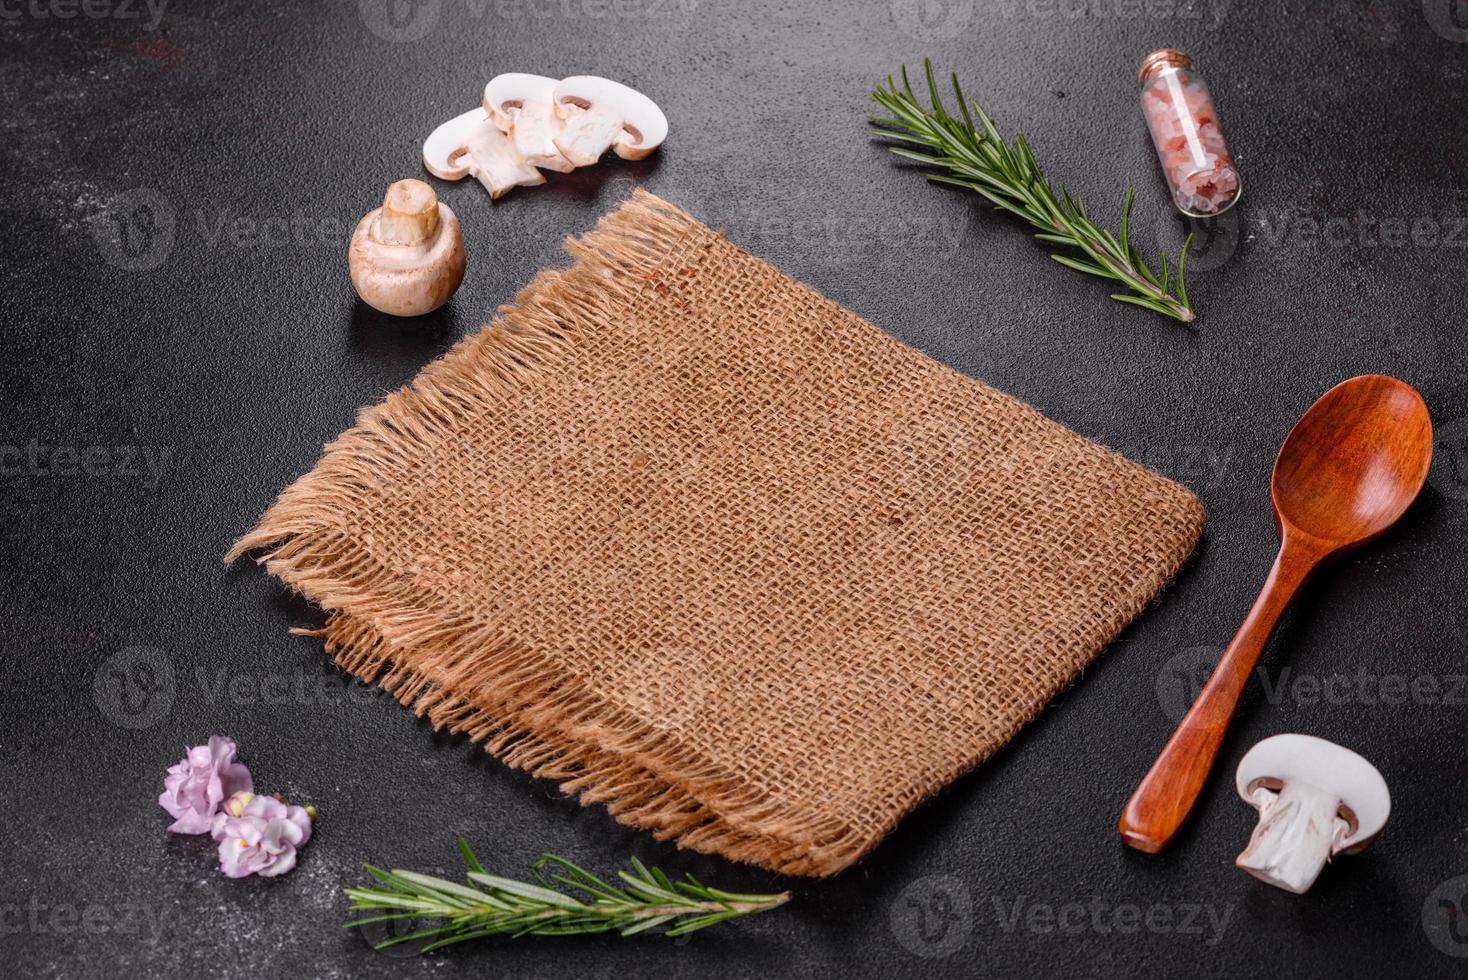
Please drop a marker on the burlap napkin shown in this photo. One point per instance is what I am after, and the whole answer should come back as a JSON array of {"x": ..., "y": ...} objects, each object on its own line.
[{"x": 686, "y": 536}]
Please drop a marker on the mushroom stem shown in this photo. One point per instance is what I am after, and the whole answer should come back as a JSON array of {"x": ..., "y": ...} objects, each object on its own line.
[
  {"x": 588, "y": 134},
  {"x": 1299, "y": 828},
  {"x": 499, "y": 165},
  {"x": 409, "y": 214},
  {"x": 534, "y": 131}
]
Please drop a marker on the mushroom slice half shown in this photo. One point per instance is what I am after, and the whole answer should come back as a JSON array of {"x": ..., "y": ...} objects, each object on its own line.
[
  {"x": 1315, "y": 799},
  {"x": 470, "y": 143},
  {"x": 600, "y": 114},
  {"x": 521, "y": 106}
]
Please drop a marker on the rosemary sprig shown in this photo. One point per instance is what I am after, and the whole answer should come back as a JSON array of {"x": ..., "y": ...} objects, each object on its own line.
[
  {"x": 978, "y": 158},
  {"x": 647, "y": 899}
]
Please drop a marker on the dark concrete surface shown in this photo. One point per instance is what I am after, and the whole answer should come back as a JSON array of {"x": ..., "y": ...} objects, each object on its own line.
[{"x": 199, "y": 366}]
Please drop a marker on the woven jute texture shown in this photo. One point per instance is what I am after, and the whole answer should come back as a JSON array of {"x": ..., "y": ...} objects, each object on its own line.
[{"x": 685, "y": 536}]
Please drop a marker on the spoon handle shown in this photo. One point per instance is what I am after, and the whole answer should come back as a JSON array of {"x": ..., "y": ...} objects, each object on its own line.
[{"x": 1167, "y": 793}]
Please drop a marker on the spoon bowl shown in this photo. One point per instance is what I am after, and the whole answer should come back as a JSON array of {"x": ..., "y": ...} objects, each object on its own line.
[
  {"x": 1354, "y": 462},
  {"x": 1348, "y": 470}
]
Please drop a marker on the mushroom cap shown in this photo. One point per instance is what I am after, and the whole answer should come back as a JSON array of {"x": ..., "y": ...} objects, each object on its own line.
[
  {"x": 1327, "y": 767},
  {"x": 407, "y": 280},
  {"x": 512, "y": 90},
  {"x": 644, "y": 124},
  {"x": 444, "y": 152}
]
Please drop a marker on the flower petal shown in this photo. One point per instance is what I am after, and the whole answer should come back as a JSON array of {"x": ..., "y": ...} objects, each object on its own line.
[{"x": 280, "y": 865}]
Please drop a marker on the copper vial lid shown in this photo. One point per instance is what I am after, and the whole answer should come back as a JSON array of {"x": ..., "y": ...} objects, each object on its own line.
[{"x": 1163, "y": 58}]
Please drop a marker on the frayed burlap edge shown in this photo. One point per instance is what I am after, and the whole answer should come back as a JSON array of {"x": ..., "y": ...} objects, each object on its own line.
[{"x": 463, "y": 675}]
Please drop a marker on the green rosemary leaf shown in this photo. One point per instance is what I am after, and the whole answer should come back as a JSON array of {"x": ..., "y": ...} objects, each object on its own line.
[
  {"x": 581, "y": 878},
  {"x": 1126, "y": 220},
  {"x": 455, "y": 893},
  {"x": 388, "y": 900},
  {"x": 647, "y": 924},
  {"x": 693, "y": 925},
  {"x": 567, "y": 930},
  {"x": 663, "y": 881},
  {"x": 650, "y": 891},
  {"x": 388, "y": 879},
  {"x": 933, "y": 90},
  {"x": 447, "y": 912},
  {"x": 1113, "y": 247},
  {"x": 899, "y": 137},
  {"x": 991, "y": 132},
  {"x": 469, "y": 857},
  {"x": 1146, "y": 273},
  {"x": 1077, "y": 215},
  {"x": 968, "y": 120},
  {"x": 729, "y": 898},
  {"x": 373, "y": 919},
  {"x": 459, "y": 938},
  {"x": 1009, "y": 176},
  {"x": 1149, "y": 304},
  {"x": 525, "y": 890},
  {"x": 904, "y": 152},
  {"x": 1086, "y": 267},
  {"x": 1182, "y": 266},
  {"x": 411, "y": 937}
]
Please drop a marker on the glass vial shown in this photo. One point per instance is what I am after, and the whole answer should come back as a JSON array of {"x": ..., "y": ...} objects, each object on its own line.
[{"x": 1190, "y": 145}]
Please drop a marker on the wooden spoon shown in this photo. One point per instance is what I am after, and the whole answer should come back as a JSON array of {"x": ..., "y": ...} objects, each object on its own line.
[{"x": 1349, "y": 468}]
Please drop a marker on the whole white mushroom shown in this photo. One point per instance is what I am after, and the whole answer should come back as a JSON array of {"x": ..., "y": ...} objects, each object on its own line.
[
  {"x": 1315, "y": 799},
  {"x": 407, "y": 257}
]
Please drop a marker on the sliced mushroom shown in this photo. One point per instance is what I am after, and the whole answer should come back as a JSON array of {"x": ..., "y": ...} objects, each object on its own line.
[
  {"x": 521, "y": 106},
  {"x": 471, "y": 143},
  {"x": 600, "y": 114},
  {"x": 1315, "y": 800},
  {"x": 407, "y": 257}
]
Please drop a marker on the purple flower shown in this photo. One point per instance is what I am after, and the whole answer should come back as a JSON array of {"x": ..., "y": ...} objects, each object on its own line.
[
  {"x": 259, "y": 835},
  {"x": 195, "y": 786}
]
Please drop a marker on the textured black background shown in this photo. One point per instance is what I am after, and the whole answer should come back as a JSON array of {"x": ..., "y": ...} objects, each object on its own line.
[{"x": 241, "y": 141}]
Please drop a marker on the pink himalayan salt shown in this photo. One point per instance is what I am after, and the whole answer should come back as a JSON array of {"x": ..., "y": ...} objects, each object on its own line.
[{"x": 1190, "y": 145}]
